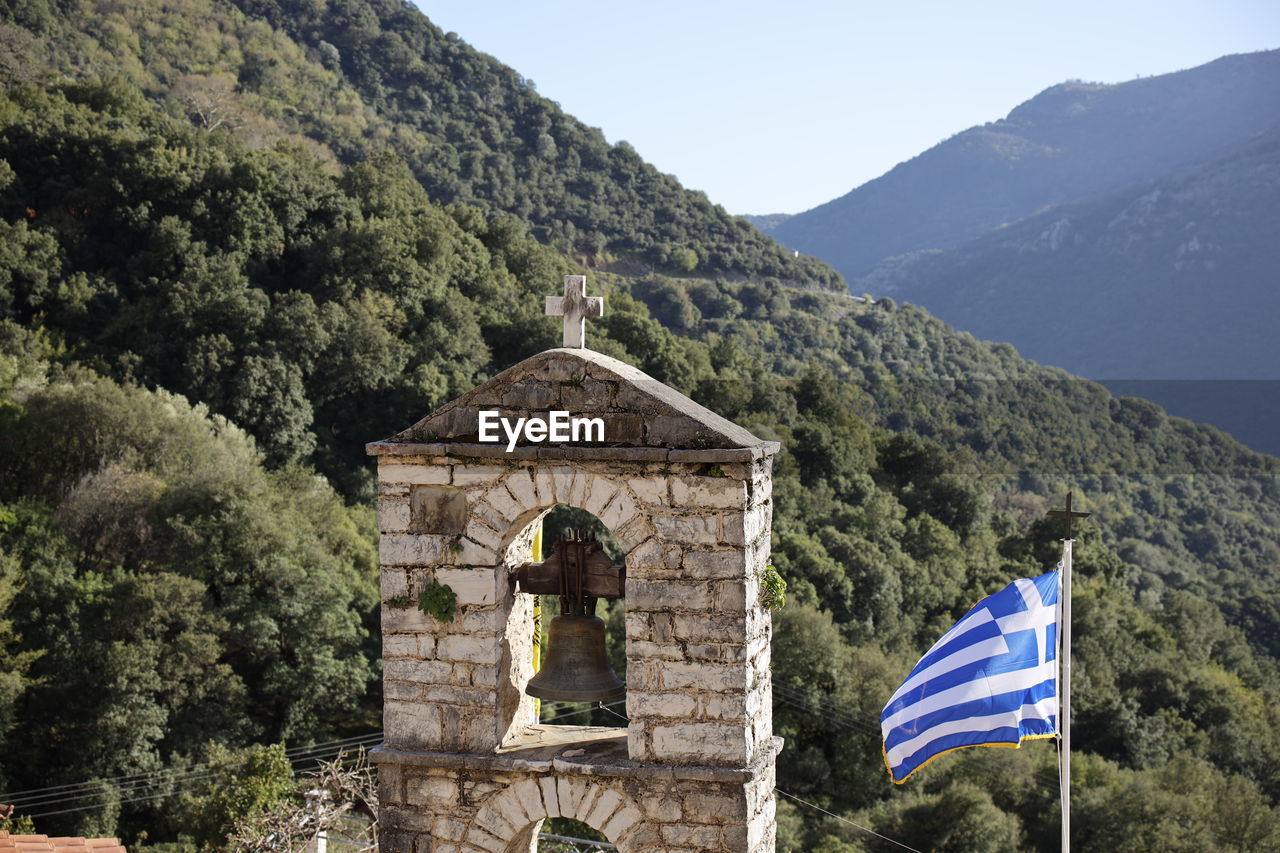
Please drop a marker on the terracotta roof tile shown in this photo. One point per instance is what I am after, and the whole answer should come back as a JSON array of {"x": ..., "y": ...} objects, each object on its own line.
[{"x": 57, "y": 844}]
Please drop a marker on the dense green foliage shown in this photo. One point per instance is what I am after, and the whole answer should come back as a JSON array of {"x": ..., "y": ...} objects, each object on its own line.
[
  {"x": 183, "y": 566},
  {"x": 169, "y": 590},
  {"x": 358, "y": 76}
]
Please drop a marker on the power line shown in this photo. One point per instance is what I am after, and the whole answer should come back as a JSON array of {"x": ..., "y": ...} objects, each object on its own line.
[
  {"x": 163, "y": 794},
  {"x": 846, "y": 820},
  {"x": 106, "y": 797},
  {"x": 15, "y": 797},
  {"x": 130, "y": 784},
  {"x": 300, "y": 755},
  {"x": 137, "y": 783}
]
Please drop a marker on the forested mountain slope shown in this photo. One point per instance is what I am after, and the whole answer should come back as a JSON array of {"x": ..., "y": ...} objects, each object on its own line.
[
  {"x": 1192, "y": 254},
  {"x": 147, "y": 251},
  {"x": 1068, "y": 142},
  {"x": 361, "y": 76}
]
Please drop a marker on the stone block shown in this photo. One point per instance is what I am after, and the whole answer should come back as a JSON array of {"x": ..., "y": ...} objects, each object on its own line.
[
  {"x": 587, "y": 397},
  {"x": 668, "y": 595},
  {"x": 550, "y": 796},
  {"x": 676, "y": 431},
  {"x": 437, "y": 509},
  {"x": 647, "y": 554},
  {"x": 692, "y": 836},
  {"x": 713, "y": 492},
  {"x": 704, "y": 743},
  {"x": 560, "y": 369},
  {"x": 545, "y": 487},
  {"x": 473, "y": 586},
  {"x": 730, "y": 596},
  {"x": 569, "y": 794},
  {"x": 646, "y": 650},
  {"x": 523, "y": 491},
  {"x": 741, "y": 528},
  {"x": 482, "y": 839},
  {"x": 706, "y": 807},
  {"x": 500, "y": 499},
  {"x": 603, "y": 808},
  {"x": 404, "y": 620},
  {"x": 468, "y": 552},
  {"x": 411, "y": 725},
  {"x": 393, "y": 514},
  {"x": 688, "y": 529},
  {"x": 392, "y": 473},
  {"x": 716, "y": 564},
  {"x": 564, "y": 477},
  {"x": 484, "y": 535},
  {"x": 650, "y": 490},
  {"x": 401, "y": 691},
  {"x": 478, "y": 475},
  {"x": 467, "y": 649},
  {"x": 492, "y": 517},
  {"x": 669, "y": 705},
  {"x": 706, "y": 628},
  {"x": 502, "y": 815},
  {"x": 396, "y": 841},
  {"x": 602, "y": 492},
  {"x": 462, "y": 696},
  {"x": 394, "y": 583},
  {"x": 722, "y": 707},
  {"x": 622, "y": 821},
  {"x": 529, "y": 796},
  {"x": 411, "y": 549},
  {"x": 418, "y": 671},
  {"x": 664, "y": 809},
  {"x": 634, "y": 531},
  {"x": 531, "y": 397},
  {"x": 399, "y": 646},
  {"x": 704, "y": 676},
  {"x": 632, "y": 398},
  {"x": 580, "y": 488},
  {"x": 441, "y": 792}
]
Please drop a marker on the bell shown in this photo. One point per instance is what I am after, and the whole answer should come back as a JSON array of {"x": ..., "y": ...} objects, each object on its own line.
[{"x": 576, "y": 668}]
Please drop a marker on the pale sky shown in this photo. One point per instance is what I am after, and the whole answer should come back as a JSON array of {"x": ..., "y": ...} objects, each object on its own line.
[{"x": 773, "y": 108}]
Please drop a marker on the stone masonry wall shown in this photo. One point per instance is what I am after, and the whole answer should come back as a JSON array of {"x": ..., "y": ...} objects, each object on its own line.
[
  {"x": 464, "y": 766},
  {"x": 696, "y": 539},
  {"x": 472, "y": 807}
]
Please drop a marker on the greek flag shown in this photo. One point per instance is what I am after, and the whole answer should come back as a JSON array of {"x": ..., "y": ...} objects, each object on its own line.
[{"x": 992, "y": 680}]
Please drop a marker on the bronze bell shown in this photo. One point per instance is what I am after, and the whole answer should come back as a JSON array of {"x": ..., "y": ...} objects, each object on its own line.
[{"x": 576, "y": 668}]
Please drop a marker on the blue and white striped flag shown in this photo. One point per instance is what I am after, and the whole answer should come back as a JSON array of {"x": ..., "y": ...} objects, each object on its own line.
[{"x": 992, "y": 680}]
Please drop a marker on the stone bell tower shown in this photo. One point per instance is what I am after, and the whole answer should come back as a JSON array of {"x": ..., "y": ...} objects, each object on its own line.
[{"x": 465, "y": 765}]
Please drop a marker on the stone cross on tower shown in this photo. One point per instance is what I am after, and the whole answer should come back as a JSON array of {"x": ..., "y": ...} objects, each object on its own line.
[{"x": 576, "y": 306}]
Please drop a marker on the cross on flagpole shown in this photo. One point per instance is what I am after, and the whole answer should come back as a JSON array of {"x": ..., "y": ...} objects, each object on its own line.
[
  {"x": 1064, "y": 665},
  {"x": 1067, "y": 515},
  {"x": 575, "y": 306}
]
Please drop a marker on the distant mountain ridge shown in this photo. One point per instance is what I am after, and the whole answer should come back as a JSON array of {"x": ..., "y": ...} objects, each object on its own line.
[
  {"x": 1070, "y": 141},
  {"x": 1171, "y": 278}
]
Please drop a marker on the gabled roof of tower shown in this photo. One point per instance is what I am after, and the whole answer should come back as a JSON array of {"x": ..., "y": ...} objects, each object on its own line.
[{"x": 638, "y": 412}]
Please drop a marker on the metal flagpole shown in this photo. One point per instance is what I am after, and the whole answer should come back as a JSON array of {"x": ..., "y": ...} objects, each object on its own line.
[
  {"x": 1064, "y": 710},
  {"x": 1064, "y": 670}
]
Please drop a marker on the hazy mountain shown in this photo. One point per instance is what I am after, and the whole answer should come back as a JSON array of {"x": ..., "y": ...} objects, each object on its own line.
[
  {"x": 1168, "y": 279},
  {"x": 766, "y": 222},
  {"x": 1069, "y": 141},
  {"x": 1172, "y": 278}
]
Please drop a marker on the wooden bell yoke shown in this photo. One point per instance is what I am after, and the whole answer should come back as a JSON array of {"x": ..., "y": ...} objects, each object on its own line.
[{"x": 576, "y": 668}]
